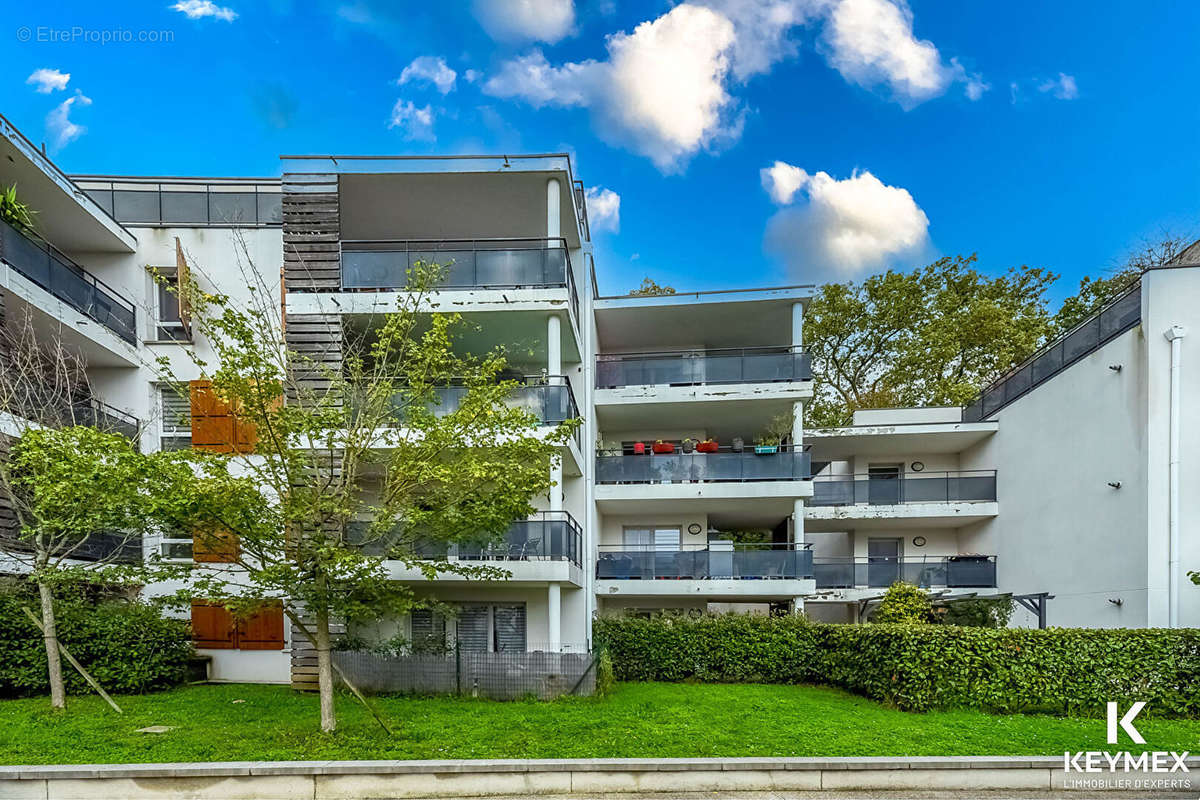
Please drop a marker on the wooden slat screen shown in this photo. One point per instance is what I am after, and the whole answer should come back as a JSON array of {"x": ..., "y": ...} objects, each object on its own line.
[
  {"x": 214, "y": 547},
  {"x": 213, "y": 626},
  {"x": 262, "y": 630}
]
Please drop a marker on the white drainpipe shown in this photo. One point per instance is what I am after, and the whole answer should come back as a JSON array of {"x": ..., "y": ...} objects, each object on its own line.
[{"x": 1175, "y": 336}]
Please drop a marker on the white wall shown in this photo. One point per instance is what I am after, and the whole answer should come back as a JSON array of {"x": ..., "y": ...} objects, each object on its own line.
[{"x": 1062, "y": 528}]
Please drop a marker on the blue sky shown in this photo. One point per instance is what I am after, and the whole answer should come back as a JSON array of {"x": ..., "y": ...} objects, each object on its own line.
[{"x": 1053, "y": 134}]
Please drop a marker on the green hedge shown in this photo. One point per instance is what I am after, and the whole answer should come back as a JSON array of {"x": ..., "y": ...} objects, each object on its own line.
[
  {"x": 127, "y": 647},
  {"x": 918, "y": 667}
]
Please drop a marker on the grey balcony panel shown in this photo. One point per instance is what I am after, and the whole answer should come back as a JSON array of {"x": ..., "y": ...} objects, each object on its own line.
[
  {"x": 723, "y": 466},
  {"x": 953, "y": 572},
  {"x": 765, "y": 365},
  {"x": 740, "y": 563},
  {"x": 942, "y": 487}
]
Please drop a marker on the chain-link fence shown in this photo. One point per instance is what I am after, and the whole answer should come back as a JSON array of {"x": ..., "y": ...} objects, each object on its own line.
[{"x": 505, "y": 675}]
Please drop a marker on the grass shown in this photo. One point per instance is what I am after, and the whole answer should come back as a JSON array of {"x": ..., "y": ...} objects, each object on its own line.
[{"x": 249, "y": 722}]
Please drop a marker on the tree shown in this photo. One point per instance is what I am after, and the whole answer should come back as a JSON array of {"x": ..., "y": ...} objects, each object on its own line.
[
  {"x": 72, "y": 487},
  {"x": 354, "y": 464},
  {"x": 650, "y": 288},
  {"x": 903, "y": 603},
  {"x": 932, "y": 336},
  {"x": 1095, "y": 292}
]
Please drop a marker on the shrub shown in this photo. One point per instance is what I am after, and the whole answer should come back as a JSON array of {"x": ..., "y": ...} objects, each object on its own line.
[
  {"x": 605, "y": 679},
  {"x": 977, "y": 612},
  {"x": 904, "y": 602},
  {"x": 920, "y": 667},
  {"x": 128, "y": 647}
]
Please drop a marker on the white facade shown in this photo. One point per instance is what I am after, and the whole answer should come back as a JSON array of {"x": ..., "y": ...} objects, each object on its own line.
[{"x": 1019, "y": 500}]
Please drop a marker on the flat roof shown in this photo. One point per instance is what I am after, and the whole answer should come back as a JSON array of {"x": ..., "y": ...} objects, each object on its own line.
[{"x": 802, "y": 293}]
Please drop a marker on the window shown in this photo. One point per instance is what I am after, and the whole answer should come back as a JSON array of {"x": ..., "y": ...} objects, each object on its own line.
[
  {"x": 170, "y": 327},
  {"x": 175, "y": 415},
  {"x": 657, "y": 538},
  {"x": 492, "y": 628},
  {"x": 428, "y": 632}
]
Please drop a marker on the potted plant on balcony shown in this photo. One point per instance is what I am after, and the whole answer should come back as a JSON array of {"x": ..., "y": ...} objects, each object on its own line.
[
  {"x": 639, "y": 448},
  {"x": 663, "y": 448},
  {"x": 707, "y": 446},
  {"x": 739, "y": 444},
  {"x": 14, "y": 212},
  {"x": 766, "y": 445},
  {"x": 777, "y": 429},
  {"x": 689, "y": 445}
]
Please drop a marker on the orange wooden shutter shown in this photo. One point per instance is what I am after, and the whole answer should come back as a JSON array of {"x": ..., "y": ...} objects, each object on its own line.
[
  {"x": 262, "y": 630},
  {"x": 213, "y": 626},
  {"x": 212, "y": 419},
  {"x": 214, "y": 546}
]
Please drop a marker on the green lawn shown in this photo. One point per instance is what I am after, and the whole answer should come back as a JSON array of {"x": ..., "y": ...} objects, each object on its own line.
[{"x": 245, "y": 722}]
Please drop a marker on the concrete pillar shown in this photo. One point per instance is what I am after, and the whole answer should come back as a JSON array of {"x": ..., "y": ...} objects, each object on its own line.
[
  {"x": 556, "y": 491},
  {"x": 554, "y": 346},
  {"x": 797, "y": 324},
  {"x": 797, "y": 424},
  {"x": 798, "y": 522},
  {"x": 553, "y": 210},
  {"x": 554, "y": 617}
]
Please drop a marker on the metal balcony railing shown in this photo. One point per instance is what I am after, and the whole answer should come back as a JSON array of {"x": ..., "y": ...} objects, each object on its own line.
[
  {"x": 549, "y": 398},
  {"x": 726, "y": 465},
  {"x": 693, "y": 368},
  {"x": 739, "y": 562},
  {"x": 1119, "y": 315},
  {"x": 105, "y": 417},
  {"x": 524, "y": 263},
  {"x": 972, "y": 486},
  {"x": 952, "y": 572},
  {"x": 102, "y": 546},
  {"x": 50, "y": 269},
  {"x": 546, "y": 536}
]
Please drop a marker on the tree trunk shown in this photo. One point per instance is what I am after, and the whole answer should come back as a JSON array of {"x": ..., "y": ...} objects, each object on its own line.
[
  {"x": 325, "y": 671},
  {"x": 58, "y": 696}
]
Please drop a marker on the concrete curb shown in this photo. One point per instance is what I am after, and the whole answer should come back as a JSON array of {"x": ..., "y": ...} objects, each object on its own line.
[{"x": 334, "y": 780}]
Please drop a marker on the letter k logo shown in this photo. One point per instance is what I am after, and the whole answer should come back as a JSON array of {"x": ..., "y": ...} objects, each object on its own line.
[{"x": 1126, "y": 722}]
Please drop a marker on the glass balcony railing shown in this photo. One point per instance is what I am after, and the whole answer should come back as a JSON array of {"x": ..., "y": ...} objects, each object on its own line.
[
  {"x": 549, "y": 398},
  {"x": 43, "y": 264},
  {"x": 739, "y": 562},
  {"x": 547, "y": 536},
  {"x": 694, "y": 368},
  {"x": 785, "y": 464},
  {"x": 976, "y": 486},
  {"x": 952, "y": 572}
]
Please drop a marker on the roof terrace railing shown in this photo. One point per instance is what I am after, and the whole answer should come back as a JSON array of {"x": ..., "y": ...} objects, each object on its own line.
[
  {"x": 1116, "y": 317},
  {"x": 42, "y": 263},
  {"x": 695, "y": 368},
  {"x": 229, "y": 204}
]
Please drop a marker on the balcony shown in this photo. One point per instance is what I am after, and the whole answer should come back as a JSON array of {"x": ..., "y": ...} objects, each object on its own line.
[
  {"x": 470, "y": 264},
  {"x": 736, "y": 562},
  {"x": 951, "y": 572},
  {"x": 546, "y": 547},
  {"x": 700, "y": 368},
  {"x": 976, "y": 486},
  {"x": 549, "y": 398},
  {"x": 116, "y": 548},
  {"x": 723, "y": 466},
  {"x": 44, "y": 265}
]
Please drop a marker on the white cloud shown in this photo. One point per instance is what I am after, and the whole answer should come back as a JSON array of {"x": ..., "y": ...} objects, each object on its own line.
[
  {"x": 1063, "y": 87},
  {"x": 846, "y": 227},
  {"x": 414, "y": 122},
  {"x": 429, "y": 69},
  {"x": 472, "y": 75},
  {"x": 356, "y": 13},
  {"x": 975, "y": 87},
  {"x": 62, "y": 131},
  {"x": 661, "y": 91},
  {"x": 526, "y": 20},
  {"x": 762, "y": 29},
  {"x": 782, "y": 181},
  {"x": 48, "y": 80},
  {"x": 604, "y": 209},
  {"x": 198, "y": 9},
  {"x": 871, "y": 42}
]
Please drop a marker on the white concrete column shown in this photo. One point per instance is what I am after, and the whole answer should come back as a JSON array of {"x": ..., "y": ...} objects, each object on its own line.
[
  {"x": 554, "y": 345},
  {"x": 797, "y": 324},
  {"x": 554, "y": 617},
  {"x": 797, "y": 424},
  {"x": 556, "y": 491},
  {"x": 553, "y": 210},
  {"x": 798, "y": 522}
]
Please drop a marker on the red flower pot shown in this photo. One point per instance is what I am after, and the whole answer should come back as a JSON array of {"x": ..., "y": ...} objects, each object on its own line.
[
  {"x": 664, "y": 448},
  {"x": 706, "y": 447},
  {"x": 639, "y": 448}
]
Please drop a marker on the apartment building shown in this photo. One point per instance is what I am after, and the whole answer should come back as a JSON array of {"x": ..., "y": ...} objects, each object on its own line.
[{"x": 692, "y": 484}]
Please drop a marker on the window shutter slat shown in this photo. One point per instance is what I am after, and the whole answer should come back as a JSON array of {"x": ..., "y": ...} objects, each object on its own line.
[{"x": 262, "y": 630}]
